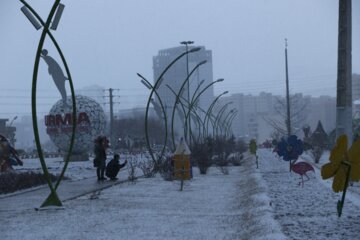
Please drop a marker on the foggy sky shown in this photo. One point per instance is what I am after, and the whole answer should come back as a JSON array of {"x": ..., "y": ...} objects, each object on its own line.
[{"x": 107, "y": 42}]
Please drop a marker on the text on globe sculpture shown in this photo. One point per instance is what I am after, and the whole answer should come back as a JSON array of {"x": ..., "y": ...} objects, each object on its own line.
[{"x": 90, "y": 124}]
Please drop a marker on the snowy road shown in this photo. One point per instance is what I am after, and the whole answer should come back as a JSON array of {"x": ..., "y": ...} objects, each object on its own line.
[{"x": 309, "y": 212}]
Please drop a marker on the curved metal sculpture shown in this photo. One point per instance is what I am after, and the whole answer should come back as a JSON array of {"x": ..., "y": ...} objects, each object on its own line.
[
  {"x": 208, "y": 112},
  {"x": 229, "y": 124},
  {"x": 218, "y": 118},
  {"x": 154, "y": 87},
  {"x": 151, "y": 87},
  {"x": 52, "y": 199},
  {"x": 177, "y": 98}
]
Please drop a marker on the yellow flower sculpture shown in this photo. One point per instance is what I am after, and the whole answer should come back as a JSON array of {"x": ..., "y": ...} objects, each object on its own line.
[{"x": 340, "y": 161}]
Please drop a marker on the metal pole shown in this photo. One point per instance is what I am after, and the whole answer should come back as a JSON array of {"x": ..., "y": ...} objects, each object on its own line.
[
  {"x": 288, "y": 121},
  {"x": 186, "y": 43},
  {"x": 344, "y": 95},
  {"x": 111, "y": 117}
]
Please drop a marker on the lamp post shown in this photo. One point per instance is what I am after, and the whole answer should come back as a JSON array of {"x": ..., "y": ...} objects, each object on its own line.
[
  {"x": 156, "y": 86},
  {"x": 56, "y": 10},
  {"x": 186, "y": 43},
  {"x": 224, "y": 125},
  {"x": 229, "y": 124},
  {"x": 148, "y": 85},
  {"x": 206, "y": 119},
  {"x": 177, "y": 99},
  {"x": 218, "y": 117},
  {"x": 195, "y": 97}
]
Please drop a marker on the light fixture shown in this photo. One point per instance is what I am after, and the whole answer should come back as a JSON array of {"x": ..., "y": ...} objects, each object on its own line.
[
  {"x": 31, "y": 18},
  {"x": 57, "y": 17}
]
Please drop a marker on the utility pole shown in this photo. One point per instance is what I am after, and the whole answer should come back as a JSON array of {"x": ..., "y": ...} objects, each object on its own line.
[
  {"x": 288, "y": 121},
  {"x": 111, "y": 117},
  {"x": 344, "y": 72},
  {"x": 186, "y": 43},
  {"x": 111, "y": 103}
]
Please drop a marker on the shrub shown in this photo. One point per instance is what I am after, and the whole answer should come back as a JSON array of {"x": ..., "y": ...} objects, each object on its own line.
[
  {"x": 201, "y": 154},
  {"x": 166, "y": 168},
  {"x": 14, "y": 181},
  {"x": 132, "y": 166},
  {"x": 236, "y": 159},
  {"x": 147, "y": 167}
]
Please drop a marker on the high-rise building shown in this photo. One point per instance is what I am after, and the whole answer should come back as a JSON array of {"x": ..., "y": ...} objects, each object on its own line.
[{"x": 176, "y": 75}]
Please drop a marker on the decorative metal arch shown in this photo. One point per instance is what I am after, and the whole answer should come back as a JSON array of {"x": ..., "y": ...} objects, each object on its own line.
[{"x": 52, "y": 199}]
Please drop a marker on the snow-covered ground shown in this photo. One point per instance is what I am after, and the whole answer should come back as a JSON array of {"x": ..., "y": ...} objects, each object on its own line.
[
  {"x": 212, "y": 206},
  {"x": 309, "y": 212},
  {"x": 249, "y": 203}
]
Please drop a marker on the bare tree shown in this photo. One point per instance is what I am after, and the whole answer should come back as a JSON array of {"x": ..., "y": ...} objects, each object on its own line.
[{"x": 298, "y": 114}]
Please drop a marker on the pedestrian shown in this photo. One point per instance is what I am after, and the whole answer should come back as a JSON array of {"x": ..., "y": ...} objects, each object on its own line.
[
  {"x": 114, "y": 166},
  {"x": 101, "y": 144}
]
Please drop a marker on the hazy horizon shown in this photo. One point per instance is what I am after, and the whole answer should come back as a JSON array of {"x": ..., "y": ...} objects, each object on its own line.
[{"x": 107, "y": 42}]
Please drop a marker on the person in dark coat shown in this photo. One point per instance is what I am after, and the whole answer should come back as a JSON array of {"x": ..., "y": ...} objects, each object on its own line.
[
  {"x": 113, "y": 167},
  {"x": 101, "y": 144}
]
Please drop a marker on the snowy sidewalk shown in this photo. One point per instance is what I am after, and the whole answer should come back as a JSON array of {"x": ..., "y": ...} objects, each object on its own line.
[
  {"x": 308, "y": 212},
  {"x": 212, "y": 206},
  {"x": 68, "y": 190}
]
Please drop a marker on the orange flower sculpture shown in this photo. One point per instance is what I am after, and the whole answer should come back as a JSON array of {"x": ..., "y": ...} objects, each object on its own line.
[{"x": 340, "y": 160}]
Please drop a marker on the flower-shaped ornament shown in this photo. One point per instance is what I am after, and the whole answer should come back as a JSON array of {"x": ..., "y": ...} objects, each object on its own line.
[
  {"x": 291, "y": 148},
  {"x": 340, "y": 161}
]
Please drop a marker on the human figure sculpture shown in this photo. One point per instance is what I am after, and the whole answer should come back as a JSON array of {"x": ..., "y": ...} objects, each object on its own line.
[{"x": 56, "y": 73}]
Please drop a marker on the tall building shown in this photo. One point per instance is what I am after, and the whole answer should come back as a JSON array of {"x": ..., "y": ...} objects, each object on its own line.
[{"x": 177, "y": 74}]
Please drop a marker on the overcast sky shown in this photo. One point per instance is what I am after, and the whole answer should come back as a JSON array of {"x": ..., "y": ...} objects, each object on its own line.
[{"x": 106, "y": 42}]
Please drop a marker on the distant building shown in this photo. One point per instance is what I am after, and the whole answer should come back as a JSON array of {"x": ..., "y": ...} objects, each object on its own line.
[
  {"x": 257, "y": 115},
  {"x": 177, "y": 74},
  {"x": 356, "y": 94},
  {"x": 7, "y": 131}
]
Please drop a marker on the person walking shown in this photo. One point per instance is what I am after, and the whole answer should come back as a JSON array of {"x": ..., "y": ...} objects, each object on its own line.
[
  {"x": 101, "y": 144},
  {"x": 113, "y": 167}
]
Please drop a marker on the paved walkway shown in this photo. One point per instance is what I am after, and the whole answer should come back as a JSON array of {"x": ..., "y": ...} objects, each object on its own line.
[{"x": 33, "y": 198}]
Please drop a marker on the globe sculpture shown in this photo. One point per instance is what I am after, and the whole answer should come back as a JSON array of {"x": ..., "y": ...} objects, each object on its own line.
[{"x": 90, "y": 124}]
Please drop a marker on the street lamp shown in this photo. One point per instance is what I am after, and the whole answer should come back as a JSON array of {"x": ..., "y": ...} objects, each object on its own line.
[
  {"x": 207, "y": 116},
  {"x": 156, "y": 86},
  {"x": 37, "y": 22},
  {"x": 218, "y": 117},
  {"x": 186, "y": 43},
  {"x": 229, "y": 124},
  {"x": 148, "y": 85},
  {"x": 178, "y": 98},
  {"x": 224, "y": 122},
  {"x": 194, "y": 99}
]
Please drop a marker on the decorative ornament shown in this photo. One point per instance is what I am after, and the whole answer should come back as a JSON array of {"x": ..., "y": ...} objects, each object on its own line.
[
  {"x": 290, "y": 149},
  {"x": 253, "y": 149},
  {"x": 302, "y": 168},
  {"x": 344, "y": 165}
]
